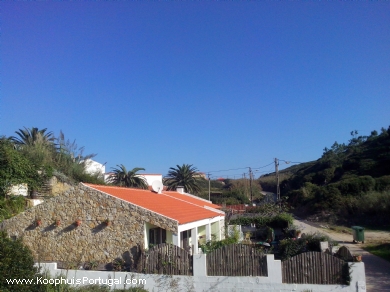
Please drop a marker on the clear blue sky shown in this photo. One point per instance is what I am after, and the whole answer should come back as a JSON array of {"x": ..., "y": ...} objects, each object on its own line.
[{"x": 220, "y": 85}]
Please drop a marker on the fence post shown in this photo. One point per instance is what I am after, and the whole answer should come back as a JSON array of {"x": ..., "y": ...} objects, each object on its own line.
[
  {"x": 194, "y": 239},
  {"x": 274, "y": 268},
  {"x": 358, "y": 276},
  {"x": 199, "y": 265}
]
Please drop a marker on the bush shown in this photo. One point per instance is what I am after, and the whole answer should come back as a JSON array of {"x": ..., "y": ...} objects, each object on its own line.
[
  {"x": 291, "y": 247},
  {"x": 16, "y": 263},
  {"x": 372, "y": 208},
  {"x": 283, "y": 220},
  {"x": 16, "y": 169},
  {"x": 310, "y": 242},
  {"x": 214, "y": 244},
  {"x": 12, "y": 206},
  {"x": 357, "y": 185},
  {"x": 382, "y": 183}
]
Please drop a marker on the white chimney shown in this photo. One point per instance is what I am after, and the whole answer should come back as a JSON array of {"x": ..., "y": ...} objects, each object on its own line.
[{"x": 180, "y": 189}]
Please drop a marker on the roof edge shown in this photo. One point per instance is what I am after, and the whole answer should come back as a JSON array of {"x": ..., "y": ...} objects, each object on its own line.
[
  {"x": 131, "y": 203},
  {"x": 205, "y": 207},
  {"x": 193, "y": 196}
]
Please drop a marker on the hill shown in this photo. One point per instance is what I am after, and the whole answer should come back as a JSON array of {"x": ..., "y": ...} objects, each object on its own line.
[{"x": 350, "y": 182}]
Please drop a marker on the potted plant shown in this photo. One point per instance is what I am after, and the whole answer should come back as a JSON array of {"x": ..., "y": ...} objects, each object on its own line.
[
  {"x": 357, "y": 258},
  {"x": 78, "y": 222},
  {"x": 107, "y": 222},
  {"x": 38, "y": 222},
  {"x": 33, "y": 193}
]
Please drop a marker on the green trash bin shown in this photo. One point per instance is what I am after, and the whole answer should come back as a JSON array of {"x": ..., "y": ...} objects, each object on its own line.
[{"x": 358, "y": 233}]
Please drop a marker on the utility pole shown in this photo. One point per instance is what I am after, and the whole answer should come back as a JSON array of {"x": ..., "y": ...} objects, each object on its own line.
[
  {"x": 245, "y": 185},
  {"x": 209, "y": 185},
  {"x": 277, "y": 179},
  {"x": 250, "y": 183}
]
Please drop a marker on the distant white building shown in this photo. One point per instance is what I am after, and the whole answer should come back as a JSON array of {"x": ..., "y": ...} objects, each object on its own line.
[
  {"x": 93, "y": 167},
  {"x": 149, "y": 178}
]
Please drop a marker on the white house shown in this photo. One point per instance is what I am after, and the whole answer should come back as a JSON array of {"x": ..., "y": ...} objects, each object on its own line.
[{"x": 94, "y": 167}]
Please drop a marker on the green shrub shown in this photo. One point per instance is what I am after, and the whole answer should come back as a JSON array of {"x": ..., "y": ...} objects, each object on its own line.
[
  {"x": 291, "y": 247},
  {"x": 283, "y": 220},
  {"x": 11, "y": 206},
  {"x": 16, "y": 263},
  {"x": 214, "y": 244},
  {"x": 310, "y": 242},
  {"x": 357, "y": 185},
  {"x": 382, "y": 183},
  {"x": 313, "y": 241},
  {"x": 16, "y": 168}
]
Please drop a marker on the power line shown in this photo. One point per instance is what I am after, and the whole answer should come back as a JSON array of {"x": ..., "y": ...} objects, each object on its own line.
[
  {"x": 227, "y": 175},
  {"x": 226, "y": 169},
  {"x": 238, "y": 168},
  {"x": 254, "y": 170}
]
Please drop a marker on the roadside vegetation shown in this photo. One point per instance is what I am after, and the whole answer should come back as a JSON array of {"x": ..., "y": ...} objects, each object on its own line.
[{"x": 380, "y": 249}]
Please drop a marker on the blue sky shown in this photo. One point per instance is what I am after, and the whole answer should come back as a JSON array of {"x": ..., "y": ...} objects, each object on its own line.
[{"x": 220, "y": 85}]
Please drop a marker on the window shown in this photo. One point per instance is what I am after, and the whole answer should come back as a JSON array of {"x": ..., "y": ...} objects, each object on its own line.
[{"x": 157, "y": 236}]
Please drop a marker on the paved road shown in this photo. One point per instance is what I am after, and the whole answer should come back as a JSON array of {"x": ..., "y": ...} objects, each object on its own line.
[{"x": 377, "y": 269}]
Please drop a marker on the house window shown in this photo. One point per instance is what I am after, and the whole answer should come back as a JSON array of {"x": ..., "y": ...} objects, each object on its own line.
[
  {"x": 185, "y": 239},
  {"x": 157, "y": 236}
]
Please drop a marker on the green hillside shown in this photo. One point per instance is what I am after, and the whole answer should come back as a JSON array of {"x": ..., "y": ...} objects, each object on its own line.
[{"x": 350, "y": 182}]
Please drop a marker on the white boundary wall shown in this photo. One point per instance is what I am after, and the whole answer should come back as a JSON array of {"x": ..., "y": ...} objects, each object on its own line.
[{"x": 201, "y": 282}]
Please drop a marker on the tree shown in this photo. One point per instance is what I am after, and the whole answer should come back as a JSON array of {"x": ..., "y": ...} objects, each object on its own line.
[
  {"x": 183, "y": 176},
  {"x": 37, "y": 145},
  {"x": 122, "y": 177},
  {"x": 32, "y": 136}
]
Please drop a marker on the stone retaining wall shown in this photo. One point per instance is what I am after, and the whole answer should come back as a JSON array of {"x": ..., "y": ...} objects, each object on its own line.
[{"x": 93, "y": 240}]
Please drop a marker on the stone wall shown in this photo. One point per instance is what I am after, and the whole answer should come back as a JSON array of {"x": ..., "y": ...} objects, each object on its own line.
[
  {"x": 57, "y": 187},
  {"x": 93, "y": 240}
]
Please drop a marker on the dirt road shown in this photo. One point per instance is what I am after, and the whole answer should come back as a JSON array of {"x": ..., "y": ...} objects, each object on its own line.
[{"x": 377, "y": 269}]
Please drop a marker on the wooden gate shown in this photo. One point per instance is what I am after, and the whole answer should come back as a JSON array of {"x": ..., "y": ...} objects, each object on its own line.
[
  {"x": 236, "y": 260},
  {"x": 166, "y": 259},
  {"x": 315, "y": 268}
]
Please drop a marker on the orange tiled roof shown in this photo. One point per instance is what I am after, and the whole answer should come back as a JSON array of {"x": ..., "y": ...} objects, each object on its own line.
[
  {"x": 191, "y": 199},
  {"x": 166, "y": 205}
]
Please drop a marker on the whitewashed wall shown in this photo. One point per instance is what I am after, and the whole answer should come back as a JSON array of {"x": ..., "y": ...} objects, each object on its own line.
[
  {"x": 93, "y": 167},
  {"x": 201, "y": 282},
  {"x": 18, "y": 190},
  {"x": 150, "y": 178}
]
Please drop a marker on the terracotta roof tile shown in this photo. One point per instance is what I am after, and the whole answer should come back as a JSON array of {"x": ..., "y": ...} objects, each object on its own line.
[
  {"x": 166, "y": 205},
  {"x": 191, "y": 199}
]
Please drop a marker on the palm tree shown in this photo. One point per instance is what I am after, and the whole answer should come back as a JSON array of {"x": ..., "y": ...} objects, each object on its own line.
[
  {"x": 122, "y": 177},
  {"x": 37, "y": 145},
  {"x": 32, "y": 136},
  {"x": 183, "y": 176}
]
